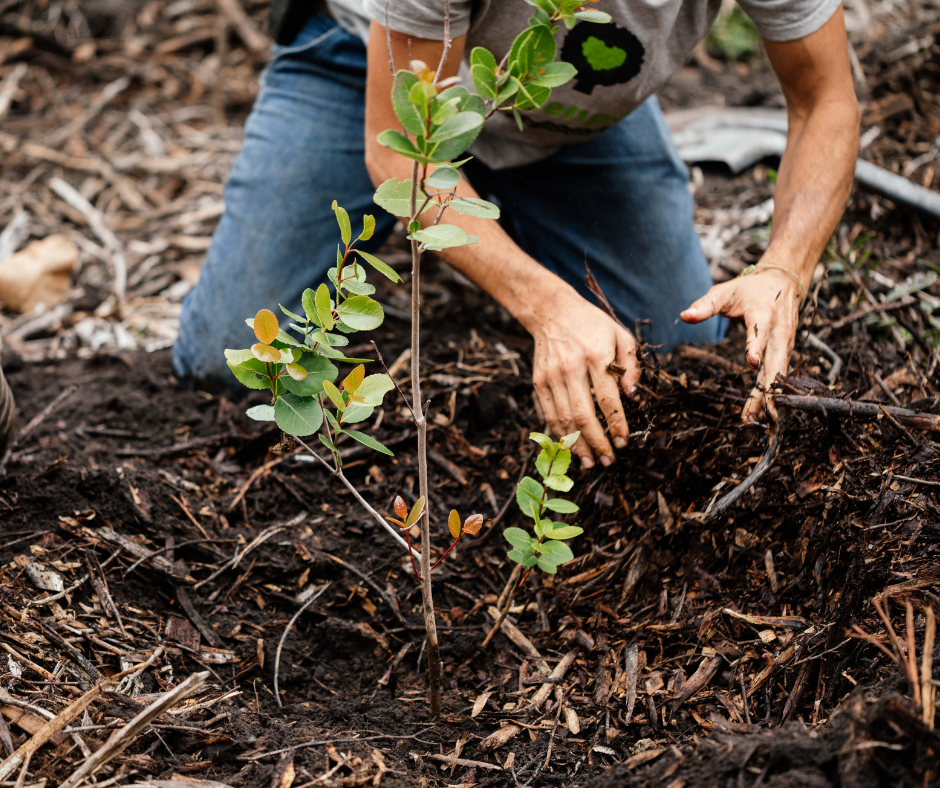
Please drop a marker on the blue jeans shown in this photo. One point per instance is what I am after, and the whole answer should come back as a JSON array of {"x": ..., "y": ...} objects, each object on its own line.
[{"x": 620, "y": 200}]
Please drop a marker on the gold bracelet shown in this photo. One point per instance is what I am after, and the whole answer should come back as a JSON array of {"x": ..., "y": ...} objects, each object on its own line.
[{"x": 753, "y": 268}]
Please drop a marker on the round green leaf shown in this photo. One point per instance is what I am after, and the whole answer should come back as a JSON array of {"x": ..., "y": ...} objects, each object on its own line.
[
  {"x": 318, "y": 369},
  {"x": 361, "y": 313},
  {"x": 443, "y": 178},
  {"x": 261, "y": 413},
  {"x": 561, "y": 506},
  {"x": 299, "y": 416},
  {"x": 474, "y": 206}
]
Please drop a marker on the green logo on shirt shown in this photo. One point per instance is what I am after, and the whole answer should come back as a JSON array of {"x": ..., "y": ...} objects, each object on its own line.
[
  {"x": 604, "y": 55},
  {"x": 601, "y": 57}
]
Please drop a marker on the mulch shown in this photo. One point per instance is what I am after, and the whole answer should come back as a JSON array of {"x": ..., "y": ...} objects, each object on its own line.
[{"x": 782, "y": 636}]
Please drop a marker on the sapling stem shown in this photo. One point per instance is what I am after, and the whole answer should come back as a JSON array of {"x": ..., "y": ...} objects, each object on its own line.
[{"x": 421, "y": 424}]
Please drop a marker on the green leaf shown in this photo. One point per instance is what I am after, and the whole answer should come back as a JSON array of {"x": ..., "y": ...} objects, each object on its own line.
[
  {"x": 342, "y": 218},
  {"x": 559, "y": 482},
  {"x": 483, "y": 72},
  {"x": 530, "y": 97},
  {"x": 521, "y": 556},
  {"x": 443, "y": 236},
  {"x": 416, "y": 511},
  {"x": 552, "y": 75},
  {"x": 593, "y": 16},
  {"x": 247, "y": 375},
  {"x": 546, "y": 565},
  {"x": 261, "y": 413},
  {"x": 368, "y": 227},
  {"x": 309, "y": 302},
  {"x": 556, "y": 465},
  {"x": 561, "y": 506},
  {"x": 319, "y": 369},
  {"x": 334, "y": 394},
  {"x": 461, "y": 123},
  {"x": 533, "y": 48},
  {"x": 368, "y": 440},
  {"x": 323, "y": 307},
  {"x": 569, "y": 440},
  {"x": 395, "y": 197},
  {"x": 291, "y": 314},
  {"x": 332, "y": 420},
  {"x": 400, "y": 144},
  {"x": 383, "y": 268},
  {"x": 407, "y": 112},
  {"x": 541, "y": 439},
  {"x": 374, "y": 388},
  {"x": 474, "y": 206},
  {"x": 444, "y": 110},
  {"x": 528, "y": 490},
  {"x": 565, "y": 532},
  {"x": 299, "y": 416},
  {"x": 518, "y": 538},
  {"x": 356, "y": 412},
  {"x": 327, "y": 442},
  {"x": 361, "y": 313},
  {"x": 557, "y": 552},
  {"x": 443, "y": 178}
]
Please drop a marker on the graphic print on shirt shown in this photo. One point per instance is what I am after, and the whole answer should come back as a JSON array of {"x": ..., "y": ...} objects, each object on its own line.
[{"x": 603, "y": 54}]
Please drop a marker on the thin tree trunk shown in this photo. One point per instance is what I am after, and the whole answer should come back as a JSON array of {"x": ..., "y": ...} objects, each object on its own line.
[{"x": 430, "y": 625}]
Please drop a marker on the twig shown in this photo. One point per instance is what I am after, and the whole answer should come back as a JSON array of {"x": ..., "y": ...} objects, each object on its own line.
[
  {"x": 8, "y": 89},
  {"x": 858, "y": 410},
  {"x": 307, "y": 744},
  {"x": 447, "y": 43},
  {"x": 280, "y": 644},
  {"x": 397, "y": 387},
  {"x": 505, "y": 602},
  {"x": 122, "y": 739},
  {"x": 41, "y": 416},
  {"x": 754, "y": 476},
  {"x": 338, "y": 473},
  {"x": 814, "y": 341}
]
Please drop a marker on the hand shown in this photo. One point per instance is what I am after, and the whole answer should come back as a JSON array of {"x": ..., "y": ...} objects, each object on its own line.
[
  {"x": 574, "y": 344},
  {"x": 769, "y": 301}
]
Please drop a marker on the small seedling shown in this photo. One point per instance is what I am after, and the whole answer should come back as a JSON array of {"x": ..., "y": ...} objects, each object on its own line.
[{"x": 547, "y": 549}]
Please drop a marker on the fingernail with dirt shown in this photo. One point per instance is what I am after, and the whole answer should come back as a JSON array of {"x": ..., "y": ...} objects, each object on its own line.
[
  {"x": 620, "y": 442},
  {"x": 586, "y": 462},
  {"x": 606, "y": 461}
]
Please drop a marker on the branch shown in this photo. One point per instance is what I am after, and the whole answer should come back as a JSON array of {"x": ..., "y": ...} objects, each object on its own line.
[
  {"x": 753, "y": 477},
  {"x": 338, "y": 473},
  {"x": 447, "y": 41},
  {"x": 859, "y": 410},
  {"x": 397, "y": 387}
]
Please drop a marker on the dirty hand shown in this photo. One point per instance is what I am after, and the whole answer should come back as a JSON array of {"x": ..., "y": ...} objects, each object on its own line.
[
  {"x": 769, "y": 301},
  {"x": 575, "y": 342}
]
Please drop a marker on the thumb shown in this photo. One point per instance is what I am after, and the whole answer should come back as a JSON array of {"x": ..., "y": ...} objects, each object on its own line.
[{"x": 710, "y": 304}]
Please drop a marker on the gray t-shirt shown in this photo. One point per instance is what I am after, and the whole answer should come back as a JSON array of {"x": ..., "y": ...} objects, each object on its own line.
[{"x": 619, "y": 64}]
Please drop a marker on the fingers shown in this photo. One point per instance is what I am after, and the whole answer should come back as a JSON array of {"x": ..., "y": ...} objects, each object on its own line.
[
  {"x": 626, "y": 358},
  {"x": 607, "y": 393},
  {"x": 549, "y": 407},
  {"x": 758, "y": 335},
  {"x": 584, "y": 418},
  {"x": 714, "y": 302},
  {"x": 776, "y": 361}
]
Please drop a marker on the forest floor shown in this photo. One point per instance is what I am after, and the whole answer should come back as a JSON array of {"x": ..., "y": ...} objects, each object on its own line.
[{"x": 784, "y": 640}]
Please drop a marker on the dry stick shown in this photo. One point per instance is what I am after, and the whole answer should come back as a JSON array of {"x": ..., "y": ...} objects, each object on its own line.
[
  {"x": 366, "y": 579},
  {"x": 9, "y": 86},
  {"x": 859, "y": 410},
  {"x": 20, "y": 759},
  {"x": 515, "y": 580},
  {"x": 754, "y": 476},
  {"x": 927, "y": 690},
  {"x": 280, "y": 644},
  {"x": 41, "y": 416},
  {"x": 121, "y": 739}
]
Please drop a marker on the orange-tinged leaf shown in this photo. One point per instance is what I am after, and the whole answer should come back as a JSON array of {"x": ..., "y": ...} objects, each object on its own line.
[
  {"x": 266, "y": 326},
  {"x": 266, "y": 353},
  {"x": 296, "y": 371},
  {"x": 401, "y": 509},
  {"x": 416, "y": 511},
  {"x": 473, "y": 524},
  {"x": 453, "y": 522},
  {"x": 354, "y": 379}
]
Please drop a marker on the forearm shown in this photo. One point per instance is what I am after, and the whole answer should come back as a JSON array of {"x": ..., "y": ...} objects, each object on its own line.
[{"x": 814, "y": 182}]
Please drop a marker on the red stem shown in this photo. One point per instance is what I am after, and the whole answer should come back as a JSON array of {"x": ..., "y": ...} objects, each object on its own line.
[
  {"x": 411, "y": 553},
  {"x": 445, "y": 553}
]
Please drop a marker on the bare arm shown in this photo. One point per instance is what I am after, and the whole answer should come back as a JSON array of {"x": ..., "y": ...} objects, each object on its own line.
[
  {"x": 813, "y": 184},
  {"x": 574, "y": 340}
]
